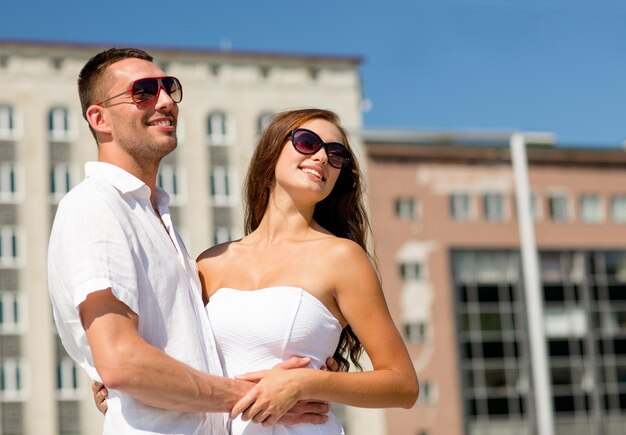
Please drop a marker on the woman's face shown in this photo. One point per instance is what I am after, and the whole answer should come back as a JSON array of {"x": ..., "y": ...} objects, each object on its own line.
[{"x": 310, "y": 174}]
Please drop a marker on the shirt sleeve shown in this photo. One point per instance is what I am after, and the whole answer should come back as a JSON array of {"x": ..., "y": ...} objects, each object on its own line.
[{"x": 97, "y": 250}]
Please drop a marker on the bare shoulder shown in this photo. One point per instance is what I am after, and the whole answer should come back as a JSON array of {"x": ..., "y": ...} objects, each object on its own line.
[
  {"x": 215, "y": 251},
  {"x": 343, "y": 249}
]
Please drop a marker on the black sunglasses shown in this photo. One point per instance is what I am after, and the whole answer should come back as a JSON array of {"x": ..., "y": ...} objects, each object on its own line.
[
  {"x": 146, "y": 90},
  {"x": 307, "y": 142}
]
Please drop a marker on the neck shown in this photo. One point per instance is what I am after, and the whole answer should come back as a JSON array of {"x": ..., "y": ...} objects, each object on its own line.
[
  {"x": 146, "y": 171},
  {"x": 286, "y": 219}
]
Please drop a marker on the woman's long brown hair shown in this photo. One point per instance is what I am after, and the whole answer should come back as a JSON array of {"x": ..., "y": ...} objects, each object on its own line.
[{"x": 342, "y": 212}]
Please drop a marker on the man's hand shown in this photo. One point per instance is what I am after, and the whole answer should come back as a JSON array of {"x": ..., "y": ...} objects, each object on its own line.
[
  {"x": 100, "y": 394},
  {"x": 267, "y": 403},
  {"x": 306, "y": 412}
]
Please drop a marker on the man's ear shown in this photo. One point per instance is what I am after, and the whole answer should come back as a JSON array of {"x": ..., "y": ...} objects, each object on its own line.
[{"x": 97, "y": 119}]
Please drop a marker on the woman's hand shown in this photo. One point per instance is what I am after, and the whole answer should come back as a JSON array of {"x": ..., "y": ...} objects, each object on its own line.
[
  {"x": 100, "y": 394},
  {"x": 276, "y": 392}
]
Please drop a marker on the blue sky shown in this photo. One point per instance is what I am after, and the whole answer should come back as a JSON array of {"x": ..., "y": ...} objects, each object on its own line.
[{"x": 541, "y": 65}]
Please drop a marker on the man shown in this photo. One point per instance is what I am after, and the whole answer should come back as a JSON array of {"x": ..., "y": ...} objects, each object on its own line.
[{"x": 125, "y": 293}]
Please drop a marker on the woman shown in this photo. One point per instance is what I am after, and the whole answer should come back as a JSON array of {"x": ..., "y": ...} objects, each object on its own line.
[{"x": 301, "y": 283}]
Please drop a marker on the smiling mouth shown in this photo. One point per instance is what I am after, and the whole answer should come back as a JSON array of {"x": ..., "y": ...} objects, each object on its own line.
[
  {"x": 314, "y": 173},
  {"x": 162, "y": 123}
]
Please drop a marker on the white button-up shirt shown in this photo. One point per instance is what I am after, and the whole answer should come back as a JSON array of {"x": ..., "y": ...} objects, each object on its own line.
[{"x": 106, "y": 234}]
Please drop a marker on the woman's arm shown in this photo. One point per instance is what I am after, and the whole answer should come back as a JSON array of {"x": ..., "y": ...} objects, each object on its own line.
[{"x": 392, "y": 383}]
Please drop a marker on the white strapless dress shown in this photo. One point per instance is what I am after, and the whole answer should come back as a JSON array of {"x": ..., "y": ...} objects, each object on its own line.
[{"x": 257, "y": 329}]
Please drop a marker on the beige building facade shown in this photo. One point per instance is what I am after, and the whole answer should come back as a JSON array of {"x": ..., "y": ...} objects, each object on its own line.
[
  {"x": 447, "y": 243},
  {"x": 44, "y": 143}
]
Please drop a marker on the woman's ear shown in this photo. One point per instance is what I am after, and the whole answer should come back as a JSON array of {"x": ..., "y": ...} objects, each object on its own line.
[{"x": 97, "y": 119}]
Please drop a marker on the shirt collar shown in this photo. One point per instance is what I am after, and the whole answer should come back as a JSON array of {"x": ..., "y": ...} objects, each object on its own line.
[{"x": 124, "y": 181}]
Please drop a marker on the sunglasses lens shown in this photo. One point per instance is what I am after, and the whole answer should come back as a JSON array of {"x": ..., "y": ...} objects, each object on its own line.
[
  {"x": 173, "y": 88},
  {"x": 145, "y": 90},
  {"x": 338, "y": 155},
  {"x": 305, "y": 142}
]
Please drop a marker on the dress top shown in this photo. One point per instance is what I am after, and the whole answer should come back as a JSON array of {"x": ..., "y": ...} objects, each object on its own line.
[{"x": 257, "y": 329}]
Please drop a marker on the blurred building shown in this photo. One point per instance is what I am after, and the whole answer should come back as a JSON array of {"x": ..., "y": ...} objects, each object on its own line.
[
  {"x": 447, "y": 244},
  {"x": 44, "y": 142}
]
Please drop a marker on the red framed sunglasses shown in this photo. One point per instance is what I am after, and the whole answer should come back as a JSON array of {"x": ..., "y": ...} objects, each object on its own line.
[
  {"x": 308, "y": 142},
  {"x": 145, "y": 91}
]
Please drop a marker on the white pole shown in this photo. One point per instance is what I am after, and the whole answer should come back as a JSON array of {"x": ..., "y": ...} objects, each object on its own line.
[{"x": 542, "y": 387}]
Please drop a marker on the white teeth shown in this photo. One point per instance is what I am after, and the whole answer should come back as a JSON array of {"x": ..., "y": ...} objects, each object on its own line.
[
  {"x": 160, "y": 123},
  {"x": 312, "y": 172}
]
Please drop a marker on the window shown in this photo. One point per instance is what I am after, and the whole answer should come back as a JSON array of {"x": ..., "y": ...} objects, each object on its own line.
[
  {"x": 9, "y": 182},
  {"x": 559, "y": 208},
  {"x": 263, "y": 119},
  {"x": 535, "y": 207},
  {"x": 61, "y": 127},
  {"x": 67, "y": 379},
  {"x": 8, "y": 123},
  {"x": 169, "y": 180},
  {"x": 61, "y": 181},
  {"x": 12, "y": 375},
  {"x": 460, "y": 207},
  {"x": 219, "y": 129},
  {"x": 493, "y": 205},
  {"x": 429, "y": 393},
  {"x": 10, "y": 249},
  {"x": 221, "y": 235},
  {"x": 411, "y": 271},
  {"x": 12, "y": 311},
  {"x": 405, "y": 208},
  {"x": 415, "y": 332},
  {"x": 591, "y": 210},
  {"x": 618, "y": 209},
  {"x": 220, "y": 186}
]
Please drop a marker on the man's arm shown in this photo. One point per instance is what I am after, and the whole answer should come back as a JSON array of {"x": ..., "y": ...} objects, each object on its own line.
[{"x": 128, "y": 363}]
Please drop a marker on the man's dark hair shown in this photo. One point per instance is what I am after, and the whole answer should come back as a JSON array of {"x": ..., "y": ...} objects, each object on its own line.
[{"x": 90, "y": 77}]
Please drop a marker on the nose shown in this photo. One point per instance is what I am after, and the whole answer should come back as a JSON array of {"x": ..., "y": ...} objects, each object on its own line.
[
  {"x": 164, "y": 101},
  {"x": 320, "y": 156}
]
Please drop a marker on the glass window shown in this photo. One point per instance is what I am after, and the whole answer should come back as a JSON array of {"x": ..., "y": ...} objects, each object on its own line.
[
  {"x": 562, "y": 323},
  {"x": 493, "y": 204},
  {"x": 411, "y": 271},
  {"x": 10, "y": 249},
  {"x": 11, "y": 378},
  {"x": 559, "y": 208},
  {"x": 429, "y": 392},
  {"x": 219, "y": 129},
  {"x": 415, "y": 332},
  {"x": 220, "y": 186},
  {"x": 405, "y": 208},
  {"x": 169, "y": 180},
  {"x": 460, "y": 207},
  {"x": 591, "y": 210},
  {"x": 60, "y": 124},
  {"x": 263, "y": 119},
  {"x": 535, "y": 206},
  {"x": 222, "y": 235},
  {"x": 9, "y": 182},
  {"x": 61, "y": 180},
  {"x": 618, "y": 209},
  {"x": 67, "y": 378},
  {"x": 12, "y": 311},
  {"x": 8, "y": 125}
]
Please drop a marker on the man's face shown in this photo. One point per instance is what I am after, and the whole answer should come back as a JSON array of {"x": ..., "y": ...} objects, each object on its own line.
[{"x": 142, "y": 132}]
